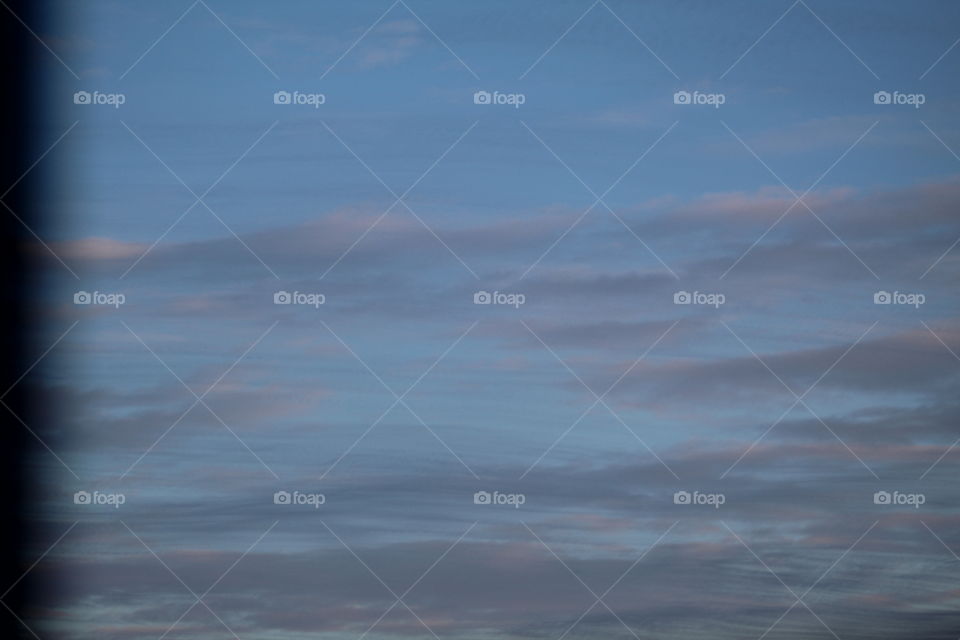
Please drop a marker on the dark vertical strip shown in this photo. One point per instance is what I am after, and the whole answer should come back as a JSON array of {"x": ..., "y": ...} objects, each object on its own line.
[{"x": 18, "y": 87}]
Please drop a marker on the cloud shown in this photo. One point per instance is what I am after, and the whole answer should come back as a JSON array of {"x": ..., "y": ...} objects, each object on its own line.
[{"x": 97, "y": 249}]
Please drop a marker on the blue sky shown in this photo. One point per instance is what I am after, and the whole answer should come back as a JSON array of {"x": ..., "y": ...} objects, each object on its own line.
[{"x": 599, "y": 199}]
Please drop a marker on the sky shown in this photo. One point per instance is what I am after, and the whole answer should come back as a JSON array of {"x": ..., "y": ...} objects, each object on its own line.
[{"x": 519, "y": 321}]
